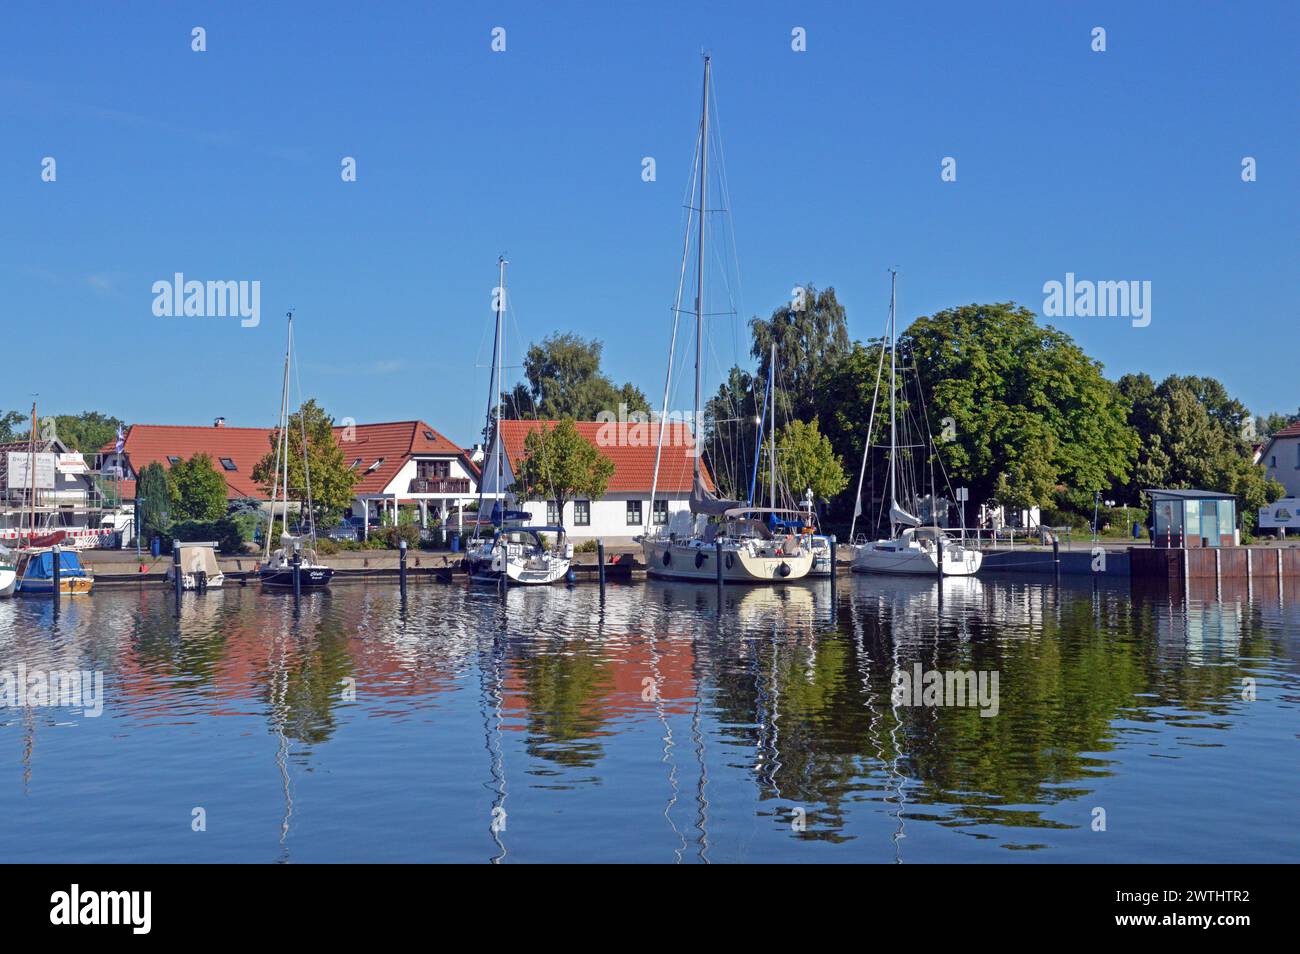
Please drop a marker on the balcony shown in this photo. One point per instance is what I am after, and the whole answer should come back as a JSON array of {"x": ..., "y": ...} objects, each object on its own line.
[{"x": 439, "y": 485}]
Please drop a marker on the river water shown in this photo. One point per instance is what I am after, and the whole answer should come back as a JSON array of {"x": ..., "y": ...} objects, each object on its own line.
[{"x": 665, "y": 723}]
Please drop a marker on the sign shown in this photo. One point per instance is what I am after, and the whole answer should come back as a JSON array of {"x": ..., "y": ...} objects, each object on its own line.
[
  {"x": 1282, "y": 513},
  {"x": 20, "y": 474},
  {"x": 963, "y": 494},
  {"x": 72, "y": 464}
]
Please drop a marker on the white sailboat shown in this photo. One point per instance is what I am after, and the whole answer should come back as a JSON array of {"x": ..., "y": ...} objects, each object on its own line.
[
  {"x": 277, "y": 567},
  {"x": 911, "y": 548},
  {"x": 716, "y": 539},
  {"x": 517, "y": 553}
]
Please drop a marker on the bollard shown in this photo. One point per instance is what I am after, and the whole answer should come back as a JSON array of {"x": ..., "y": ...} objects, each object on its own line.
[
  {"x": 717, "y": 551},
  {"x": 600, "y": 558},
  {"x": 834, "y": 566},
  {"x": 401, "y": 566},
  {"x": 1056, "y": 557},
  {"x": 297, "y": 572},
  {"x": 58, "y": 574},
  {"x": 176, "y": 569},
  {"x": 938, "y": 539}
]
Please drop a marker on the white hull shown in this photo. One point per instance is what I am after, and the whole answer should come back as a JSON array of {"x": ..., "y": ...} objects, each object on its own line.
[
  {"x": 520, "y": 570},
  {"x": 696, "y": 560},
  {"x": 8, "y": 581},
  {"x": 915, "y": 561}
]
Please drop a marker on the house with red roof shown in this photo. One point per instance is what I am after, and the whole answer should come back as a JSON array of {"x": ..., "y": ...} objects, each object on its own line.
[
  {"x": 1281, "y": 459},
  {"x": 401, "y": 463},
  {"x": 624, "y": 510}
]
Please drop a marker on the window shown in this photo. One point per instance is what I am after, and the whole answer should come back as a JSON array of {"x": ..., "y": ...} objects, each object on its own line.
[
  {"x": 582, "y": 513},
  {"x": 355, "y": 464},
  {"x": 552, "y": 513},
  {"x": 173, "y": 459},
  {"x": 1272, "y": 461},
  {"x": 375, "y": 466},
  {"x": 661, "y": 513},
  {"x": 634, "y": 513},
  {"x": 432, "y": 468},
  {"x": 430, "y": 436},
  {"x": 228, "y": 464}
]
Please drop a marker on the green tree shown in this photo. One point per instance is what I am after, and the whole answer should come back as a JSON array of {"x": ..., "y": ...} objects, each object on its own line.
[
  {"x": 1024, "y": 407},
  {"x": 86, "y": 432},
  {"x": 1192, "y": 435},
  {"x": 560, "y": 464},
  {"x": 564, "y": 380},
  {"x": 153, "y": 491},
  {"x": 332, "y": 479},
  {"x": 9, "y": 430},
  {"x": 809, "y": 332},
  {"x": 730, "y": 433},
  {"x": 198, "y": 491},
  {"x": 807, "y": 461}
]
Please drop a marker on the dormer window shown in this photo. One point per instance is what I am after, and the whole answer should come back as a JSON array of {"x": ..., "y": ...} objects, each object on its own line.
[
  {"x": 375, "y": 466},
  {"x": 355, "y": 464},
  {"x": 228, "y": 464}
]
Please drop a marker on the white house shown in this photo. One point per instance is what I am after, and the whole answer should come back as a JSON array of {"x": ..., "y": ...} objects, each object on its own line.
[
  {"x": 1281, "y": 460},
  {"x": 623, "y": 511}
]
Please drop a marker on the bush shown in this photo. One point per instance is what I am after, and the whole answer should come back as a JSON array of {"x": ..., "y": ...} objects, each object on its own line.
[
  {"x": 590, "y": 546},
  {"x": 391, "y": 537},
  {"x": 225, "y": 532}
]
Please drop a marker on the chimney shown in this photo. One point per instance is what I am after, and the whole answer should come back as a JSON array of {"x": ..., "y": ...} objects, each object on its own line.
[{"x": 219, "y": 422}]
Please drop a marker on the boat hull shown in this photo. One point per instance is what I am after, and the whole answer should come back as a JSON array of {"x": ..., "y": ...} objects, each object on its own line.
[
  {"x": 913, "y": 561},
  {"x": 8, "y": 580},
  {"x": 481, "y": 571},
  {"x": 687, "y": 561},
  {"x": 281, "y": 578},
  {"x": 68, "y": 586}
]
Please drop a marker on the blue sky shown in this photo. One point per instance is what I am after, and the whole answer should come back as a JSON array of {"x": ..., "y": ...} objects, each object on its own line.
[{"x": 225, "y": 165}]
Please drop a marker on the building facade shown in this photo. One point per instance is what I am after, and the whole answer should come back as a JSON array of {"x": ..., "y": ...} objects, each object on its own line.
[{"x": 624, "y": 510}]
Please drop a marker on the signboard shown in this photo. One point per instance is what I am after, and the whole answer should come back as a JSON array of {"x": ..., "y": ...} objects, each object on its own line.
[
  {"x": 963, "y": 494},
  {"x": 72, "y": 464},
  {"x": 1282, "y": 513},
  {"x": 20, "y": 474}
]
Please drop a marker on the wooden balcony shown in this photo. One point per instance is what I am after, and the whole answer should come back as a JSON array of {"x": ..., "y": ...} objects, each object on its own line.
[{"x": 439, "y": 485}]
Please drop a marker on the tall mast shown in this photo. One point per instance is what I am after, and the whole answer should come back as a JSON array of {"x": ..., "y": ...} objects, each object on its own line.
[
  {"x": 893, "y": 426},
  {"x": 771, "y": 397},
  {"x": 31, "y": 470},
  {"x": 699, "y": 276},
  {"x": 501, "y": 340},
  {"x": 281, "y": 447}
]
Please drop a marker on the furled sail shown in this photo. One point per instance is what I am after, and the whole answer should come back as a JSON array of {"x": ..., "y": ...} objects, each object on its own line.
[
  {"x": 703, "y": 501},
  {"x": 900, "y": 516}
]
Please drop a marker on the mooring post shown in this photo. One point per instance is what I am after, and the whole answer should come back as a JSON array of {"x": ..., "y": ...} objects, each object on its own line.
[
  {"x": 401, "y": 566},
  {"x": 834, "y": 567},
  {"x": 938, "y": 539},
  {"x": 177, "y": 582},
  {"x": 600, "y": 559},
  {"x": 1056, "y": 557},
  {"x": 297, "y": 572},
  {"x": 1250, "y": 575},
  {"x": 717, "y": 552},
  {"x": 58, "y": 574}
]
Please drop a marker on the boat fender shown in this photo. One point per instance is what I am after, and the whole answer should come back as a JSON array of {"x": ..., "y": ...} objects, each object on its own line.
[
  {"x": 699, "y": 559},
  {"x": 783, "y": 570},
  {"x": 668, "y": 557},
  {"x": 731, "y": 560}
]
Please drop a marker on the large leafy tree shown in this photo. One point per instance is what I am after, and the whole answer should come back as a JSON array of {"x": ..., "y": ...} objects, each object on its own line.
[
  {"x": 809, "y": 331},
  {"x": 9, "y": 425},
  {"x": 86, "y": 432},
  {"x": 1019, "y": 407},
  {"x": 332, "y": 479},
  {"x": 1192, "y": 435},
  {"x": 564, "y": 380},
  {"x": 731, "y": 431},
  {"x": 560, "y": 464},
  {"x": 154, "y": 496},
  {"x": 198, "y": 491}
]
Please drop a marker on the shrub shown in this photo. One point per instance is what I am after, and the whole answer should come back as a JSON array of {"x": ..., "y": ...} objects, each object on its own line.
[
  {"x": 590, "y": 546},
  {"x": 225, "y": 532}
]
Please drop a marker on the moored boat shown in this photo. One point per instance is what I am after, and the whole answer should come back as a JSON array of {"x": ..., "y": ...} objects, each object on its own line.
[
  {"x": 199, "y": 567},
  {"x": 8, "y": 572},
  {"x": 36, "y": 569}
]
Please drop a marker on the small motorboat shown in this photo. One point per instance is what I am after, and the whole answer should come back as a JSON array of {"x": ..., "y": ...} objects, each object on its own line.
[
  {"x": 35, "y": 570},
  {"x": 199, "y": 568}
]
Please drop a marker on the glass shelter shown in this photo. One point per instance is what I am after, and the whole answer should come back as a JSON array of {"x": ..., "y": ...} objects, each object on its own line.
[{"x": 1193, "y": 518}]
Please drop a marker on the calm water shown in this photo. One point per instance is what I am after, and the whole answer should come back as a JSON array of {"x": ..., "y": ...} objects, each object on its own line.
[{"x": 773, "y": 713}]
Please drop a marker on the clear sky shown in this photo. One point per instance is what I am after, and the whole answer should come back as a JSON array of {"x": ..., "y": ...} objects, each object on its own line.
[{"x": 1123, "y": 164}]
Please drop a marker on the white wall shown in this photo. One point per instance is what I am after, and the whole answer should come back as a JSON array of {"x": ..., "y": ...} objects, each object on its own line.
[
  {"x": 608, "y": 515},
  {"x": 1287, "y": 470}
]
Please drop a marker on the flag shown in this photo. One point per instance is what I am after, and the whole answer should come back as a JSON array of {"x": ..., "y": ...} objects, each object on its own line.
[{"x": 121, "y": 440}]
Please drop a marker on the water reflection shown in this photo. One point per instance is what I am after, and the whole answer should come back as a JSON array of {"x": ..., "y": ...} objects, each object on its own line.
[{"x": 663, "y": 722}]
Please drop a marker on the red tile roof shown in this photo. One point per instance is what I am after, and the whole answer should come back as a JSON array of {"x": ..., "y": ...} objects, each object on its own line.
[
  {"x": 245, "y": 446},
  {"x": 631, "y": 447},
  {"x": 1291, "y": 430}
]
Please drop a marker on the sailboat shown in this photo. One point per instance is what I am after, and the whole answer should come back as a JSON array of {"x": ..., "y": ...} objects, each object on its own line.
[
  {"x": 911, "y": 548},
  {"x": 517, "y": 553},
  {"x": 277, "y": 567},
  {"x": 691, "y": 545},
  {"x": 8, "y": 572}
]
